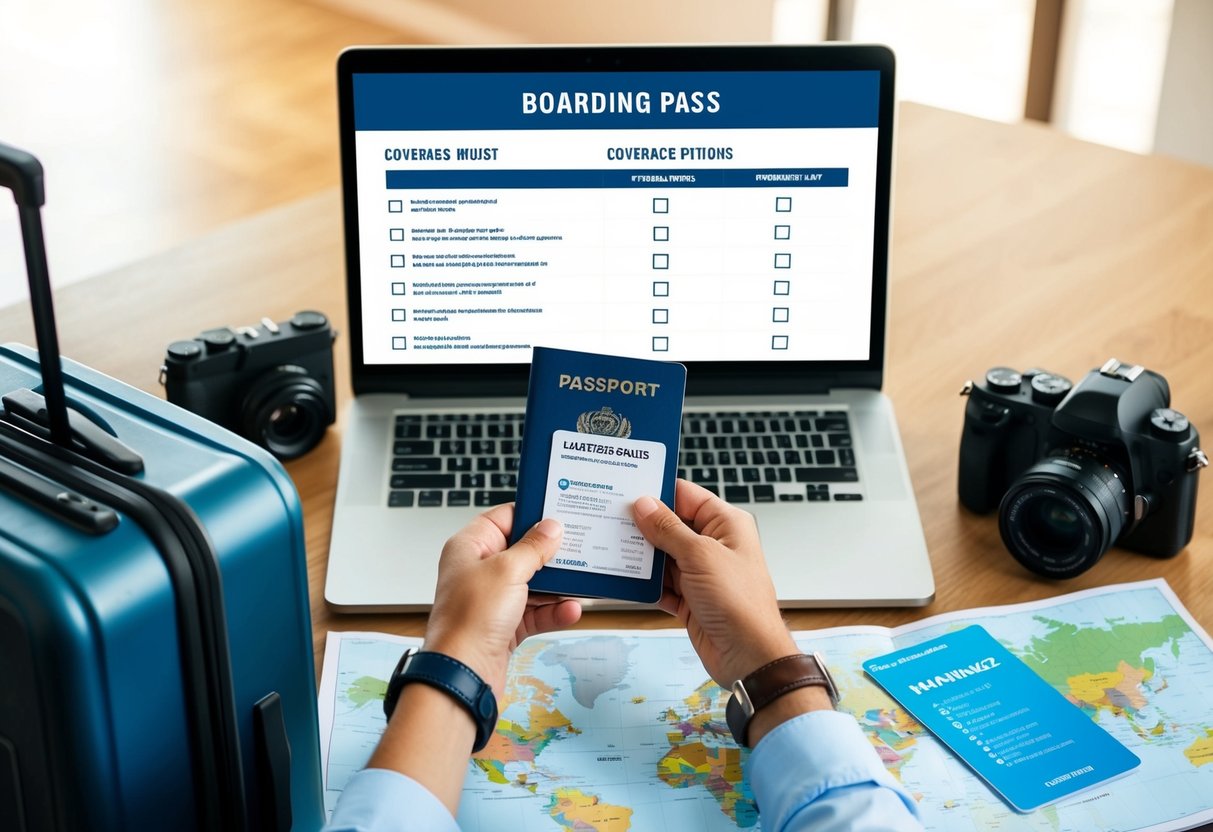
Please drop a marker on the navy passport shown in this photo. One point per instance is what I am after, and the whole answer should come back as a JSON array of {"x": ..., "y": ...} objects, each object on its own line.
[{"x": 600, "y": 432}]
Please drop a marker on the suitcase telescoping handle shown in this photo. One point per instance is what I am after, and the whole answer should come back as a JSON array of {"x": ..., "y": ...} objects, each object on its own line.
[{"x": 21, "y": 173}]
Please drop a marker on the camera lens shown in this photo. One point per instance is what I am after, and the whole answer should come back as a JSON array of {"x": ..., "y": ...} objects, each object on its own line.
[
  {"x": 1064, "y": 512},
  {"x": 1055, "y": 524},
  {"x": 285, "y": 412}
]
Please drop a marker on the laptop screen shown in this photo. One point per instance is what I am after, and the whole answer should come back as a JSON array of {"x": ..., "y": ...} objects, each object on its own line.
[{"x": 724, "y": 215}]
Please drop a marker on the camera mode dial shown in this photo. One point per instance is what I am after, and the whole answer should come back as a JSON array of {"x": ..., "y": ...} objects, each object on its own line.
[
  {"x": 218, "y": 340},
  {"x": 308, "y": 320},
  {"x": 1003, "y": 380},
  {"x": 184, "y": 350},
  {"x": 1169, "y": 424},
  {"x": 1049, "y": 388}
]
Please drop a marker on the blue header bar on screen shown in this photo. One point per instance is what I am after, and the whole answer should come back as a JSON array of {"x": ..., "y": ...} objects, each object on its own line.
[
  {"x": 647, "y": 178},
  {"x": 616, "y": 100}
]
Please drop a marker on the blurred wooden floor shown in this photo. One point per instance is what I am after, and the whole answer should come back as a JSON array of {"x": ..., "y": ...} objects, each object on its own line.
[{"x": 158, "y": 120}]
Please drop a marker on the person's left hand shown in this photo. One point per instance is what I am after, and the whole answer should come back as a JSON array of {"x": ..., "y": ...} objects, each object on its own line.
[{"x": 482, "y": 608}]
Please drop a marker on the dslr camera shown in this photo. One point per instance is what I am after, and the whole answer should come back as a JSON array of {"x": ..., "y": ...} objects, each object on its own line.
[
  {"x": 272, "y": 384},
  {"x": 1074, "y": 469}
]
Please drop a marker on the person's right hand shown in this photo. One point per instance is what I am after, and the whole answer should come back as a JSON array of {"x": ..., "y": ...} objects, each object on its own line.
[{"x": 717, "y": 581}]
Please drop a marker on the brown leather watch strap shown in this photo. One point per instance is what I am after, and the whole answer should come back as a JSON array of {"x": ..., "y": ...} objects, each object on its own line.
[
  {"x": 768, "y": 683},
  {"x": 773, "y": 680}
]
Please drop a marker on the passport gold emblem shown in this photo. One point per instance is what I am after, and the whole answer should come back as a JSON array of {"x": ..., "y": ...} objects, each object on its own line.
[{"x": 604, "y": 422}]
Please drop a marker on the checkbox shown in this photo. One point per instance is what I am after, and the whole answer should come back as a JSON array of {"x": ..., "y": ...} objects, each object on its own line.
[
  {"x": 783, "y": 287},
  {"x": 783, "y": 232},
  {"x": 779, "y": 314},
  {"x": 399, "y": 342},
  {"x": 661, "y": 343},
  {"x": 783, "y": 204},
  {"x": 397, "y": 288},
  {"x": 779, "y": 342},
  {"x": 661, "y": 233},
  {"x": 395, "y": 206},
  {"x": 398, "y": 261},
  {"x": 661, "y": 316},
  {"x": 661, "y": 288},
  {"x": 661, "y": 261},
  {"x": 783, "y": 261},
  {"x": 396, "y": 235},
  {"x": 661, "y": 205},
  {"x": 397, "y": 315}
]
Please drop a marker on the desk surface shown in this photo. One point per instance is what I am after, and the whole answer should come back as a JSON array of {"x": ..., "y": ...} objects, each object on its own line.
[{"x": 1013, "y": 245}]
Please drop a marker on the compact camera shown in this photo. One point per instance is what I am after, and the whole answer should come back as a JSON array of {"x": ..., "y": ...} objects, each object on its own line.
[
  {"x": 272, "y": 383},
  {"x": 1074, "y": 469}
]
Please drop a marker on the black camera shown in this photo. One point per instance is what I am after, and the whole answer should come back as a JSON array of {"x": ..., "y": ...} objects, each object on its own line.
[
  {"x": 1074, "y": 469},
  {"x": 272, "y": 383}
]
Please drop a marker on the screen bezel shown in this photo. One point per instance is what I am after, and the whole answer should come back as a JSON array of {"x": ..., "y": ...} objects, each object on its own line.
[{"x": 703, "y": 377}]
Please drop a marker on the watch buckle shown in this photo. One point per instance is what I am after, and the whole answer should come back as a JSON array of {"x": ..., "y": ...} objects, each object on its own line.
[
  {"x": 743, "y": 699},
  {"x": 825, "y": 671}
]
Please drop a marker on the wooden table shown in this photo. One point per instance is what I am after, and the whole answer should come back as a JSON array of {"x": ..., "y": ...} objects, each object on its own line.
[{"x": 1013, "y": 245}]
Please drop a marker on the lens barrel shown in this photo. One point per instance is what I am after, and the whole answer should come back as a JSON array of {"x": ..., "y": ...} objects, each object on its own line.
[
  {"x": 1064, "y": 512},
  {"x": 285, "y": 411}
]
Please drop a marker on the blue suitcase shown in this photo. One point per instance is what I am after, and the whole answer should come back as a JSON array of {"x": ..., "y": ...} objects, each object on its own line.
[{"x": 156, "y": 663}]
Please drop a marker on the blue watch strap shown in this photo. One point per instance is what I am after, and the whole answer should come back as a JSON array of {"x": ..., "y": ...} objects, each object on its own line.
[{"x": 454, "y": 678}]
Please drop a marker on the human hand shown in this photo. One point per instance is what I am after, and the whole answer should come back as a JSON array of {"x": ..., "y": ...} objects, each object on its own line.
[
  {"x": 717, "y": 581},
  {"x": 482, "y": 608}
]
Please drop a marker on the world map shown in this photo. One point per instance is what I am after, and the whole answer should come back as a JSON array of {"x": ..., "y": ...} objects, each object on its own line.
[{"x": 623, "y": 730}]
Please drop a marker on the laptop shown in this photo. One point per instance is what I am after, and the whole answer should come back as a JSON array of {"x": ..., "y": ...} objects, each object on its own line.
[{"x": 722, "y": 206}]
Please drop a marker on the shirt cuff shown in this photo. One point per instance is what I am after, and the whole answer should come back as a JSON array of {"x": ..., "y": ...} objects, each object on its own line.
[
  {"x": 800, "y": 762},
  {"x": 388, "y": 801}
]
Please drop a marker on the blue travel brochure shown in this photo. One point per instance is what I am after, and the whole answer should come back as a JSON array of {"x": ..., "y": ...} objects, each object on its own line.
[
  {"x": 600, "y": 431},
  {"x": 1012, "y": 728}
]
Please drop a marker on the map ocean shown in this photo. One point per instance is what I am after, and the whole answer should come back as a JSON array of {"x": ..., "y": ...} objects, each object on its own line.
[{"x": 622, "y": 730}]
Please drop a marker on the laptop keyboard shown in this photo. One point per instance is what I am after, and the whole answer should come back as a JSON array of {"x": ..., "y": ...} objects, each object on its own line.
[
  {"x": 454, "y": 459},
  {"x": 471, "y": 459},
  {"x": 768, "y": 456}
]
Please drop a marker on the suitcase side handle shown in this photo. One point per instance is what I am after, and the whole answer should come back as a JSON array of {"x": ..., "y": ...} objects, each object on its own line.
[
  {"x": 21, "y": 173},
  {"x": 273, "y": 750},
  {"x": 72, "y": 508}
]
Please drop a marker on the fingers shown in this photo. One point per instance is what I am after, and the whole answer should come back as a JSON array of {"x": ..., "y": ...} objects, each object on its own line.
[
  {"x": 487, "y": 532},
  {"x": 536, "y": 547},
  {"x": 501, "y": 516},
  {"x": 690, "y": 498},
  {"x": 663, "y": 528},
  {"x": 670, "y": 602},
  {"x": 548, "y": 617},
  {"x": 709, "y": 515}
]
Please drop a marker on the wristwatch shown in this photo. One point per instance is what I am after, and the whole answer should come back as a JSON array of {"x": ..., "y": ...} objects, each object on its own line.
[
  {"x": 452, "y": 677},
  {"x": 771, "y": 681}
]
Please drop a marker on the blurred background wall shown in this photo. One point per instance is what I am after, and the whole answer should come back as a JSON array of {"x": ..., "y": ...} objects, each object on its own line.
[{"x": 159, "y": 120}]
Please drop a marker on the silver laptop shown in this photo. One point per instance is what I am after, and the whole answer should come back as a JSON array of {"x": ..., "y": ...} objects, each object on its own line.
[{"x": 725, "y": 207}]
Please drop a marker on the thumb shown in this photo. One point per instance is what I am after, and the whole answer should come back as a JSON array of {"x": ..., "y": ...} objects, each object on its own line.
[
  {"x": 663, "y": 528},
  {"x": 536, "y": 547}
]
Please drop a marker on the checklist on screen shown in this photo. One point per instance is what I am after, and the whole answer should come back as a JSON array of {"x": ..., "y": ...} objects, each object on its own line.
[{"x": 710, "y": 216}]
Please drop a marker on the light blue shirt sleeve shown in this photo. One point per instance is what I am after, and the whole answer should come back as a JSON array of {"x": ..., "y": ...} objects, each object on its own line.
[
  {"x": 819, "y": 771},
  {"x": 379, "y": 800}
]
